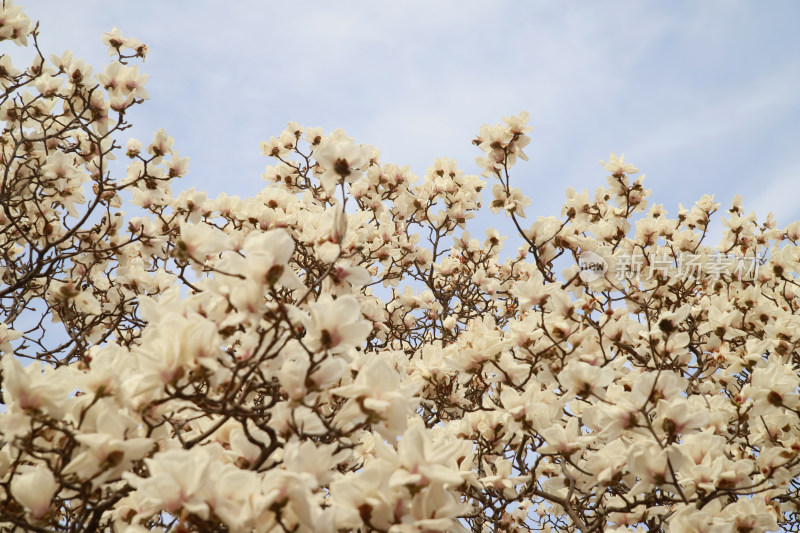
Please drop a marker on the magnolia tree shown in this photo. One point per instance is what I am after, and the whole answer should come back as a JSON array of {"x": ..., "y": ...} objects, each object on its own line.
[{"x": 338, "y": 354}]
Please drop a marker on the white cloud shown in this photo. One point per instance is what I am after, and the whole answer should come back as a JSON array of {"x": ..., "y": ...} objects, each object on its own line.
[
  {"x": 713, "y": 122},
  {"x": 779, "y": 195},
  {"x": 670, "y": 84}
]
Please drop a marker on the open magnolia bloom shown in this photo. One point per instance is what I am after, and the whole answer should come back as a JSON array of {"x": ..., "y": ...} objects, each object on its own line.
[{"x": 339, "y": 353}]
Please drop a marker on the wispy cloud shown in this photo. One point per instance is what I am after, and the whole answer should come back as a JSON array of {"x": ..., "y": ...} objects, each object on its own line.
[{"x": 682, "y": 87}]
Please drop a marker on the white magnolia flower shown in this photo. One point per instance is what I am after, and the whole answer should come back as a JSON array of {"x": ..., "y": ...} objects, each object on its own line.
[
  {"x": 6, "y": 336},
  {"x": 341, "y": 160},
  {"x": 33, "y": 388},
  {"x": 617, "y": 165},
  {"x": 264, "y": 258},
  {"x": 34, "y": 488},
  {"x": 378, "y": 398},
  {"x": 336, "y": 325}
]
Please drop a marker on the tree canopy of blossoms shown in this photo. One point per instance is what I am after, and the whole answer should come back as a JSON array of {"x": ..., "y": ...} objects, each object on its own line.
[{"x": 337, "y": 353}]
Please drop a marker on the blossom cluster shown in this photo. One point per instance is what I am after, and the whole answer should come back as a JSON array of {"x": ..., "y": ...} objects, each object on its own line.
[{"x": 339, "y": 353}]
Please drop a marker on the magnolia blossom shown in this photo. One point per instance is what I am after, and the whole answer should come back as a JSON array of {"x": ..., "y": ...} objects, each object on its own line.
[
  {"x": 177, "y": 481},
  {"x": 263, "y": 258},
  {"x": 563, "y": 440},
  {"x": 354, "y": 358},
  {"x": 6, "y": 336},
  {"x": 583, "y": 379},
  {"x": 335, "y": 325},
  {"x": 772, "y": 387},
  {"x": 34, "y": 488},
  {"x": 617, "y": 165},
  {"x": 33, "y": 388},
  {"x": 341, "y": 160},
  {"x": 67, "y": 292},
  {"x": 379, "y": 397}
]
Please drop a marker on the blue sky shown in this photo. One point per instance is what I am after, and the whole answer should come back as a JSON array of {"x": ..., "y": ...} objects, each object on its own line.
[{"x": 702, "y": 96}]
